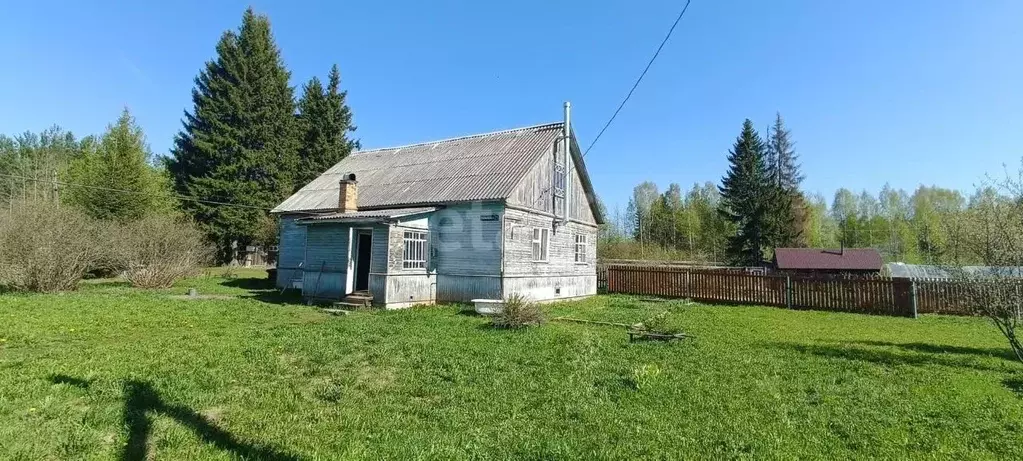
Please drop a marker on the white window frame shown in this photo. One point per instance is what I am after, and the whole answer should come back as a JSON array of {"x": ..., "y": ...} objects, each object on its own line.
[
  {"x": 541, "y": 244},
  {"x": 581, "y": 241},
  {"x": 416, "y": 249}
]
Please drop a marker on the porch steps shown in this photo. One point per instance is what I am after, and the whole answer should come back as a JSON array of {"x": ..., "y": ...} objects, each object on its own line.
[{"x": 357, "y": 299}]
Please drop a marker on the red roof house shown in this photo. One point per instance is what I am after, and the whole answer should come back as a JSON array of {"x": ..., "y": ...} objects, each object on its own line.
[{"x": 843, "y": 260}]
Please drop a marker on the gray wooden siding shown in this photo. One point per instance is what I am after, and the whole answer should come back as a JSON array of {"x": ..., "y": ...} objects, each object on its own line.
[
  {"x": 455, "y": 288},
  {"x": 534, "y": 192},
  {"x": 551, "y": 287},
  {"x": 540, "y": 279},
  {"x": 326, "y": 256},
  {"x": 407, "y": 286},
  {"x": 291, "y": 249},
  {"x": 378, "y": 287},
  {"x": 466, "y": 239},
  {"x": 378, "y": 263},
  {"x": 411, "y": 288}
]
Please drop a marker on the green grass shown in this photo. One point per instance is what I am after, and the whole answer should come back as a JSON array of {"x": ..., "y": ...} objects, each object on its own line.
[{"x": 114, "y": 372}]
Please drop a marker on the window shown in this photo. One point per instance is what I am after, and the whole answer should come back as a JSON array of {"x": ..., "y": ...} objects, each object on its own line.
[
  {"x": 580, "y": 248},
  {"x": 415, "y": 250},
  {"x": 541, "y": 237}
]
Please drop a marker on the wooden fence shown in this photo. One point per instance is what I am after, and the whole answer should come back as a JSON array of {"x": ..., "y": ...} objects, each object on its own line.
[{"x": 897, "y": 297}]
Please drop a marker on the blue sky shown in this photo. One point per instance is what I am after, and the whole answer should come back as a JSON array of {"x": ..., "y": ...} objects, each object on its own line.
[{"x": 907, "y": 92}]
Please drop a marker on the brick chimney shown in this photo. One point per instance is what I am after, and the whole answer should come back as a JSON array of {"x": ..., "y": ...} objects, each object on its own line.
[{"x": 348, "y": 195}]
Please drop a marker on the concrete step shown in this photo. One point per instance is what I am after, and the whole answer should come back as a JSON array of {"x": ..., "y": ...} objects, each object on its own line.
[{"x": 336, "y": 311}]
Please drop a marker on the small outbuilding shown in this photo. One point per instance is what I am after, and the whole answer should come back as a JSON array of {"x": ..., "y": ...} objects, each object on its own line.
[
  {"x": 841, "y": 262},
  {"x": 480, "y": 216}
]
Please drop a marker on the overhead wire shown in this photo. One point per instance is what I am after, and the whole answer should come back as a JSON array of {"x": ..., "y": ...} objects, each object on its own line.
[
  {"x": 640, "y": 79},
  {"x": 136, "y": 192}
]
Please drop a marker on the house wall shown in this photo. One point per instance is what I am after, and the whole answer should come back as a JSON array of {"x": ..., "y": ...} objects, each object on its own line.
[
  {"x": 534, "y": 192},
  {"x": 558, "y": 277},
  {"x": 466, "y": 251},
  {"x": 326, "y": 260},
  {"x": 406, "y": 287},
  {"x": 291, "y": 249}
]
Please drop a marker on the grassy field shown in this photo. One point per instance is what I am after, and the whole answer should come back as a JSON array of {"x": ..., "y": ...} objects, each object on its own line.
[{"x": 112, "y": 372}]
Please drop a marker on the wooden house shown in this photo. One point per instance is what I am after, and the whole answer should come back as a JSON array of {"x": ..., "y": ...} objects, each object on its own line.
[{"x": 481, "y": 216}]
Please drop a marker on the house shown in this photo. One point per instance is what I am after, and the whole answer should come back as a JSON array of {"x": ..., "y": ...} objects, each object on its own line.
[
  {"x": 844, "y": 262},
  {"x": 481, "y": 216}
]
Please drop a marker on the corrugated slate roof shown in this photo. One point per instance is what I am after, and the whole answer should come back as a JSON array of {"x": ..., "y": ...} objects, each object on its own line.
[
  {"x": 827, "y": 259},
  {"x": 471, "y": 168},
  {"x": 369, "y": 215}
]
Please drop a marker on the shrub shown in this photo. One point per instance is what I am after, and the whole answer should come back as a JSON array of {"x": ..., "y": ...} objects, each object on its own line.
[
  {"x": 156, "y": 251},
  {"x": 46, "y": 248},
  {"x": 518, "y": 313}
]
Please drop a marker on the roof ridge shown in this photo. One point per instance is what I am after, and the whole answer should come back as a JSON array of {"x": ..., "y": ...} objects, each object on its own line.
[{"x": 459, "y": 138}]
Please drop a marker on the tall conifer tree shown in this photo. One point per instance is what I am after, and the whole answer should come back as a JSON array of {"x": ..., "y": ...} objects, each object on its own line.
[
  {"x": 240, "y": 142},
  {"x": 120, "y": 160},
  {"x": 745, "y": 197},
  {"x": 326, "y": 122},
  {"x": 787, "y": 214}
]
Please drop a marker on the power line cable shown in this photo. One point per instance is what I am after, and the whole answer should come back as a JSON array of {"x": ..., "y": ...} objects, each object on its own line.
[
  {"x": 135, "y": 192},
  {"x": 640, "y": 79}
]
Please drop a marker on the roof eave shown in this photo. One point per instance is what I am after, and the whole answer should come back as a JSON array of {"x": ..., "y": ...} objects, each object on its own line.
[{"x": 584, "y": 178}]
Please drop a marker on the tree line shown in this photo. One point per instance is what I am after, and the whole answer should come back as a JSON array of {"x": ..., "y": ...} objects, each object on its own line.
[
  {"x": 246, "y": 142},
  {"x": 759, "y": 205}
]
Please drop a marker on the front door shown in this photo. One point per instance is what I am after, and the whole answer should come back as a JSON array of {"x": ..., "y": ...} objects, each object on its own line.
[{"x": 365, "y": 249}]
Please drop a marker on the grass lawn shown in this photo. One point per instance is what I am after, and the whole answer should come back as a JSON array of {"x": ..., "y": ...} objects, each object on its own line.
[{"x": 112, "y": 372}]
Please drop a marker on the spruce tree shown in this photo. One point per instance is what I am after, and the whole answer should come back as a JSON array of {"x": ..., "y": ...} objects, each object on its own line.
[
  {"x": 325, "y": 121},
  {"x": 787, "y": 214},
  {"x": 121, "y": 161},
  {"x": 240, "y": 143},
  {"x": 745, "y": 198}
]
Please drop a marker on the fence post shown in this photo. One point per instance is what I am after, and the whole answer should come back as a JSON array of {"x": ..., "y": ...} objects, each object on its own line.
[
  {"x": 912, "y": 291},
  {"x": 788, "y": 292}
]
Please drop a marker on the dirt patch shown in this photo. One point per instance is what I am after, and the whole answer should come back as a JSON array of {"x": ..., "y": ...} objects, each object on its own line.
[{"x": 213, "y": 415}]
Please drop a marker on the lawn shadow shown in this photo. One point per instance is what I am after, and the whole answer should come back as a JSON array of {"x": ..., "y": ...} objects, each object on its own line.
[
  {"x": 1014, "y": 383},
  {"x": 141, "y": 400},
  {"x": 274, "y": 296},
  {"x": 69, "y": 380},
  {"x": 249, "y": 283},
  {"x": 264, "y": 290},
  {"x": 928, "y": 348},
  {"x": 876, "y": 355}
]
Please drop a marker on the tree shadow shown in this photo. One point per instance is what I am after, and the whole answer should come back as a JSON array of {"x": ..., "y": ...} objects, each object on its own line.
[
  {"x": 1014, "y": 383},
  {"x": 885, "y": 357},
  {"x": 274, "y": 296},
  {"x": 250, "y": 283},
  {"x": 69, "y": 380},
  {"x": 928, "y": 348},
  {"x": 141, "y": 400}
]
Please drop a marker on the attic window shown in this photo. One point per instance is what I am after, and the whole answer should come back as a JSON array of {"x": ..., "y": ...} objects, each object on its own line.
[{"x": 414, "y": 256}]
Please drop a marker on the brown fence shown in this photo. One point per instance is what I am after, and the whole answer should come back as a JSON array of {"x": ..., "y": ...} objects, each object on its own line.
[{"x": 880, "y": 296}]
